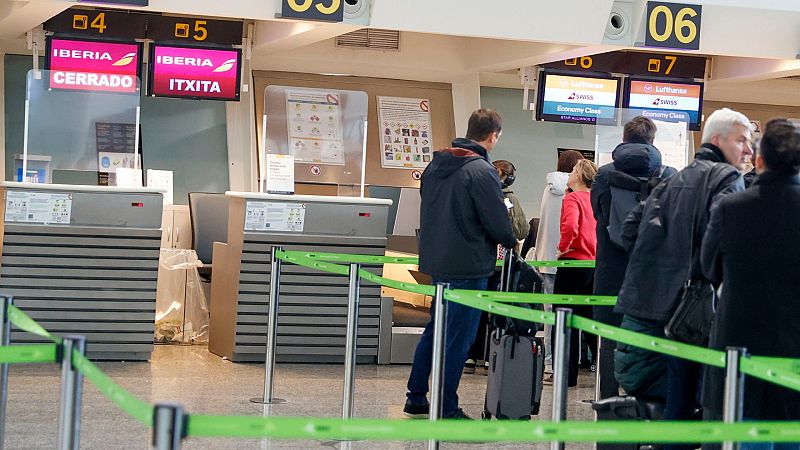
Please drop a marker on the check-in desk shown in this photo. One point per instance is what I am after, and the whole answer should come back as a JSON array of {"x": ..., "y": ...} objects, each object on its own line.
[
  {"x": 312, "y": 316},
  {"x": 84, "y": 260}
]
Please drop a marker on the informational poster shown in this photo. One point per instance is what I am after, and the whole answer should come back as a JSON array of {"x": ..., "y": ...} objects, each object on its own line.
[
  {"x": 161, "y": 179},
  {"x": 38, "y": 207},
  {"x": 315, "y": 127},
  {"x": 115, "y": 137},
  {"x": 672, "y": 141},
  {"x": 405, "y": 125},
  {"x": 275, "y": 216},
  {"x": 280, "y": 174}
]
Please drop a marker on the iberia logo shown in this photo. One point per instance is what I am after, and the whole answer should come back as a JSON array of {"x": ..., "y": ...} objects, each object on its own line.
[
  {"x": 125, "y": 60},
  {"x": 226, "y": 66}
]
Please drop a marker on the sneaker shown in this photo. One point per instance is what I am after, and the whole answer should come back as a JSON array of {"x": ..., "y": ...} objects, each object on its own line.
[
  {"x": 469, "y": 366},
  {"x": 548, "y": 380},
  {"x": 458, "y": 415},
  {"x": 485, "y": 369},
  {"x": 417, "y": 410},
  {"x": 593, "y": 368}
]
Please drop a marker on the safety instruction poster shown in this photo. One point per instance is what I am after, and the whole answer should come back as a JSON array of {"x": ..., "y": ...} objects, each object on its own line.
[
  {"x": 405, "y": 125},
  {"x": 273, "y": 216},
  {"x": 314, "y": 122},
  {"x": 38, "y": 207}
]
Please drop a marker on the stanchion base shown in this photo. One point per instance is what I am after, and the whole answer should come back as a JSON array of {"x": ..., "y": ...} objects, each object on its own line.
[{"x": 275, "y": 401}]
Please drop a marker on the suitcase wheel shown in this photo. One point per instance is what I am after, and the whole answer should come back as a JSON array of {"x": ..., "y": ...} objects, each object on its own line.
[{"x": 486, "y": 415}]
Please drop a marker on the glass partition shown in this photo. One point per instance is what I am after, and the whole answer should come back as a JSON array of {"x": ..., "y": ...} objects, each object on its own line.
[
  {"x": 323, "y": 129},
  {"x": 79, "y": 127}
]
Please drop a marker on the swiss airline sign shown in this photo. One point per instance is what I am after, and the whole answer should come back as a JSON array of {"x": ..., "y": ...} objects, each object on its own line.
[
  {"x": 93, "y": 66},
  {"x": 195, "y": 73},
  {"x": 666, "y": 101}
]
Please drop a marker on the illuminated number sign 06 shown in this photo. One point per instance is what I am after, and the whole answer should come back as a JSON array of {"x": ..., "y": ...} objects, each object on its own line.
[{"x": 673, "y": 25}]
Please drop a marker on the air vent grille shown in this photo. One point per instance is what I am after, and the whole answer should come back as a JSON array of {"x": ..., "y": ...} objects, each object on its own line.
[{"x": 370, "y": 38}]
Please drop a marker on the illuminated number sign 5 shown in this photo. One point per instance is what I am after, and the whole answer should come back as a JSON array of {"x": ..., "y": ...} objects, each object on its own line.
[
  {"x": 673, "y": 25},
  {"x": 324, "y": 10}
]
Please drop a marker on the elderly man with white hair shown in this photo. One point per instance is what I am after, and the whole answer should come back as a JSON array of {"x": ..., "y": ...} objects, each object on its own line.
[{"x": 663, "y": 237}]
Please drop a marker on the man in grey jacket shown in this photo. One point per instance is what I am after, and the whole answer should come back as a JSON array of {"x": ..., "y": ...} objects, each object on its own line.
[{"x": 664, "y": 253}]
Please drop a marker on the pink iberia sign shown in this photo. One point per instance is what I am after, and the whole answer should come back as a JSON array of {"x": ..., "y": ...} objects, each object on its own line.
[
  {"x": 195, "y": 73},
  {"x": 93, "y": 66}
]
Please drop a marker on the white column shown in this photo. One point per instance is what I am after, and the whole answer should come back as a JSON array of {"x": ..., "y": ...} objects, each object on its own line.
[{"x": 466, "y": 98}]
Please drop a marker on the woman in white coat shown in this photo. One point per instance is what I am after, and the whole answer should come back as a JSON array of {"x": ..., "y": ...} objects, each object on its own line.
[{"x": 549, "y": 232}]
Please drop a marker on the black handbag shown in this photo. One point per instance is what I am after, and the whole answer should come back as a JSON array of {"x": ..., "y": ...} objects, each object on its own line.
[{"x": 693, "y": 318}]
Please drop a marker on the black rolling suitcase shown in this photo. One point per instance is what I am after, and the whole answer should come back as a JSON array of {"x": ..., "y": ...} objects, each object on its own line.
[{"x": 516, "y": 357}]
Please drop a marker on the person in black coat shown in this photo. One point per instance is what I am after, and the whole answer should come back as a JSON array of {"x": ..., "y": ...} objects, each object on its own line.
[
  {"x": 636, "y": 161},
  {"x": 752, "y": 247},
  {"x": 665, "y": 238}
]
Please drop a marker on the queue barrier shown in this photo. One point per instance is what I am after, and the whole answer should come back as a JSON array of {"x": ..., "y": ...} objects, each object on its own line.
[{"x": 170, "y": 424}]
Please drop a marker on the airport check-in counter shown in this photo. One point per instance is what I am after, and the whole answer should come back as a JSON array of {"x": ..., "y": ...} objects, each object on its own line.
[
  {"x": 84, "y": 260},
  {"x": 312, "y": 316}
]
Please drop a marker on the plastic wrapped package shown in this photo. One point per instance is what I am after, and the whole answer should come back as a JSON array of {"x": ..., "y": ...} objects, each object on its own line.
[{"x": 181, "y": 308}]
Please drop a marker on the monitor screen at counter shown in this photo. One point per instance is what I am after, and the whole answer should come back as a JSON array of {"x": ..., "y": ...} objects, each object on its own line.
[
  {"x": 665, "y": 100},
  {"x": 577, "y": 99},
  {"x": 192, "y": 72},
  {"x": 90, "y": 65}
]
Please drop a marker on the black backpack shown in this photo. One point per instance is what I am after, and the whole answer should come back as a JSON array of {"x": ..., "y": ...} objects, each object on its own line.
[
  {"x": 516, "y": 275},
  {"x": 626, "y": 193}
]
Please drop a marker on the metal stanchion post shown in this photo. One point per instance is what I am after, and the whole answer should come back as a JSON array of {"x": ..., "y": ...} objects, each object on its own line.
[
  {"x": 272, "y": 331},
  {"x": 597, "y": 362},
  {"x": 350, "y": 346},
  {"x": 733, "y": 403},
  {"x": 560, "y": 369},
  {"x": 168, "y": 426},
  {"x": 437, "y": 367},
  {"x": 5, "y": 339},
  {"x": 69, "y": 420}
]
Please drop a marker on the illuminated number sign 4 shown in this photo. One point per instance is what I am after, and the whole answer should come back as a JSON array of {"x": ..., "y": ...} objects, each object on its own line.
[
  {"x": 673, "y": 25},
  {"x": 323, "y": 10}
]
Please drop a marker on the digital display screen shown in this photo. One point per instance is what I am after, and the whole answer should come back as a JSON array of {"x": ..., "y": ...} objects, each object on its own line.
[
  {"x": 89, "y": 65},
  {"x": 577, "y": 98},
  {"x": 667, "y": 101},
  {"x": 193, "y": 72}
]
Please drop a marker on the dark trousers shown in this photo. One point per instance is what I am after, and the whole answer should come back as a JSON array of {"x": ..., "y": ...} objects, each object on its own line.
[
  {"x": 609, "y": 387},
  {"x": 684, "y": 379},
  {"x": 575, "y": 281},
  {"x": 461, "y": 325},
  {"x": 478, "y": 349}
]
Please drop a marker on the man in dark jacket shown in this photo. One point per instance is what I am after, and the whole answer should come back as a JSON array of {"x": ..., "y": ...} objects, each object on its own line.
[
  {"x": 618, "y": 188},
  {"x": 462, "y": 220},
  {"x": 664, "y": 235},
  {"x": 751, "y": 246}
]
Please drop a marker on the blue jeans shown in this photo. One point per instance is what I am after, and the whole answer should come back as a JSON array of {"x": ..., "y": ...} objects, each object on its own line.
[{"x": 461, "y": 326}]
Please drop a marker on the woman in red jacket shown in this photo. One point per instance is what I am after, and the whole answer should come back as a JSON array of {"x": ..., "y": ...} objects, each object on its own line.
[{"x": 578, "y": 242}]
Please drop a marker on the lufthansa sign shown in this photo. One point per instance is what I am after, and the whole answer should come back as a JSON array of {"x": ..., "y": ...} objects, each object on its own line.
[{"x": 322, "y": 10}]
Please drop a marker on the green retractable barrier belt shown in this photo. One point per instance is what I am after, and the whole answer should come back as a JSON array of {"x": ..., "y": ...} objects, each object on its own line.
[
  {"x": 124, "y": 400},
  {"x": 484, "y": 431},
  {"x": 346, "y": 258},
  {"x": 403, "y": 286},
  {"x": 556, "y": 299},
  {"x": 35, "y": 353},
  {"x": 665, "y": 346},
  {"x": 782, "y": 371},
  {"x": 25, "y": 323}
]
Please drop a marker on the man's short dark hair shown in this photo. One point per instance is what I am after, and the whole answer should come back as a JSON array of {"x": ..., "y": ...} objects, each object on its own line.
[
  {"x": 639, "y": 130},
  {"x": 780, "y": 147},
  {"x": 482, "y": 123}
]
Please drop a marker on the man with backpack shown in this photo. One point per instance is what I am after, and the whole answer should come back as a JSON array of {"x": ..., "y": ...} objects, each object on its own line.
[
  {"x": 664, "y": 236},
  {"x": 618, "y": 188}
]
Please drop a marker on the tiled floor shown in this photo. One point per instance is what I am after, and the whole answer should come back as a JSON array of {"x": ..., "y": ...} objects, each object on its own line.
[{"x": 204, "y": 383}]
